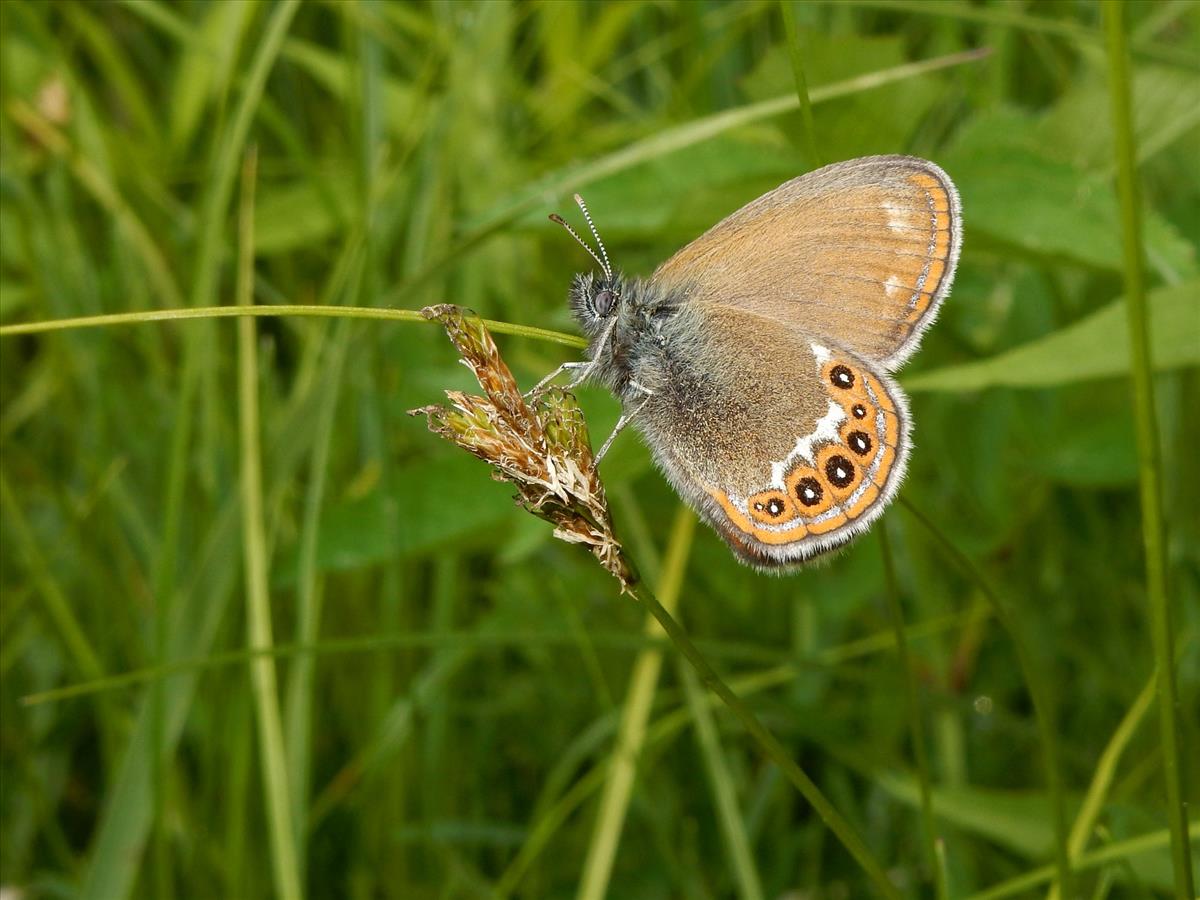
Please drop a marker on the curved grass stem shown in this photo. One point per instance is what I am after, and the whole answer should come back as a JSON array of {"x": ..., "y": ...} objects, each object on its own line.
[
  {"x": 324, "y": 312},
  {"x": 1102, "y": 778},
  {"x": 1154, "y": 537}
]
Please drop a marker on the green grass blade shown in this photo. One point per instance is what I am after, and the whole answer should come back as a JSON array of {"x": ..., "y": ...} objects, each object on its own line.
[
  {"x": 839, "y": 655},
  {"x": 196, "y": 618},
  {"x": 1095, "y": 347},
  {"x": 808, "y": 132},
  {"x": 392, "y": 733},
  {"x": 272, "y": 759},
  {"x": 1010, "y": 16},
  {"x": 229, "y": 150},
  {"x": 343, "y": 282},
  {"x": 301, "y": 675},
  {"x": 1102, "y": 777},
  {"x": 1154, "y": 536},
  {"x": 58, "y": 609},
  {"x": 720, "y": 779},
  {"x": 106, "y": 194},
  {"x": 1117, "y": 851},
  {"x": 126, "y": 814},
  {"x": 912, "y": 700},
  {"x": 577, "y": 177},
  {"x": 639, "y": 699}
]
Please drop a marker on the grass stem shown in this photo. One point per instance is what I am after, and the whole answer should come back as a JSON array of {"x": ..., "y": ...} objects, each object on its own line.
[
  {"x": 1154, "y": 536},
  {"x": 808, "y": 133},
  {"x": 933, "y": 859},
  {"x": 618, "y": 785},
  {"x": 226, "y": 312},
  {"x": 258, "y": 604},
  {"x": 1102, "y": 777},
  {"x": 1117, "y": 851}
]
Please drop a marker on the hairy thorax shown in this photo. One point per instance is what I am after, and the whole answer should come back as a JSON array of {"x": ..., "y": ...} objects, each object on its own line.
[{"x": 630, "y": 348}]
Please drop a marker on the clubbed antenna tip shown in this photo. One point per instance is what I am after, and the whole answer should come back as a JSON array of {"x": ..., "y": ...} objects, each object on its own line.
[
  {"x": 602, "y": 259},
  {"x": 603, "y": 263}
]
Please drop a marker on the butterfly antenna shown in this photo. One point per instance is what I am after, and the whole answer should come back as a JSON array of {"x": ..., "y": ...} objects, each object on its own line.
[
  {"x": 603, "y": 263},
  {"x": 599, "y": 243}
]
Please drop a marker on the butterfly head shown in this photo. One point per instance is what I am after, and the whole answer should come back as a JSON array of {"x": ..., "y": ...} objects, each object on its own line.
[{"x": 595, "y": 300}]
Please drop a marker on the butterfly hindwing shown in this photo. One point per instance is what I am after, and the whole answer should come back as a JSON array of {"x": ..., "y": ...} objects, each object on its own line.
[{"x": 788, "y": 444}]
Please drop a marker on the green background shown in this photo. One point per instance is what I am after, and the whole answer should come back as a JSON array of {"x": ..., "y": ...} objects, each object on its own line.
[{"x": 450, "y": 678}]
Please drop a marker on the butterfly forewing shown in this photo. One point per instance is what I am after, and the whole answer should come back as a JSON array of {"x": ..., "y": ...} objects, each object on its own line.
[{"x": 859, "y": 253}]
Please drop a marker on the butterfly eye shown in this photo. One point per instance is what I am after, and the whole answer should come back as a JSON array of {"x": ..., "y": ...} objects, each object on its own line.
[{"x": 603, "y": 303}]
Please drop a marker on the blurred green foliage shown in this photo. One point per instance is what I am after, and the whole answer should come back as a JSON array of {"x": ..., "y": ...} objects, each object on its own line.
[{"x": 450, "y": 713}]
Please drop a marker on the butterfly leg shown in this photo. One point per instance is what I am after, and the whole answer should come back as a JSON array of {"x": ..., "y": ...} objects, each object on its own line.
[
  {"x": 565, "y": 367},
  {"x": 584, "y": 368},
  {"x": 625, "y": 419}
]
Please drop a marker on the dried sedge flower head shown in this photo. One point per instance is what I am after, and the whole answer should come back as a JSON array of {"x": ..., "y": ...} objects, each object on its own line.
[{"x": 540, "y": 445}]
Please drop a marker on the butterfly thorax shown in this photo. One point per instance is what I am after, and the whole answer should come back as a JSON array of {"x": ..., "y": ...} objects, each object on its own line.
[{"x": 624, "y": 320}]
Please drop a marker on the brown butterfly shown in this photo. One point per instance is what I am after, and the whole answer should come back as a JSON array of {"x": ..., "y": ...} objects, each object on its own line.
[{"x": 755, "y": 361}]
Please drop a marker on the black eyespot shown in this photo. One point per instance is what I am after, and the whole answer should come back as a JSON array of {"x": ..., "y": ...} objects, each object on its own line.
[
  {"x": 839, "y": 471},
  {"x": 841, "y": 376},
  {"x": 773, "y": 507},
  {"x": 860, "y": 442},
  {"x": 603, "y": 303},
  {"x": 808, "y": 491},
  {"x": 860, "y": 411}
]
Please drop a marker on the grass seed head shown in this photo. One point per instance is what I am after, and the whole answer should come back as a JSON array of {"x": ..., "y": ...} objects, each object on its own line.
[{"x": 540, "y": 445}]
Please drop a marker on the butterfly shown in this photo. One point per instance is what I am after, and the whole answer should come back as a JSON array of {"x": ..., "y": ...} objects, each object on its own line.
[{"x": 756, "y": 361}]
